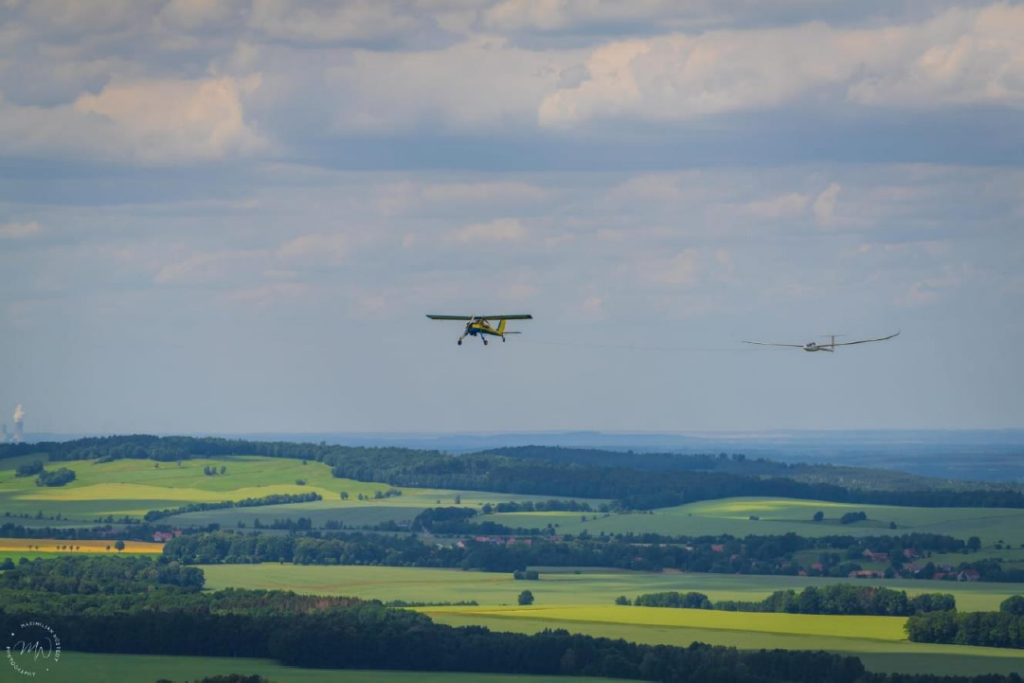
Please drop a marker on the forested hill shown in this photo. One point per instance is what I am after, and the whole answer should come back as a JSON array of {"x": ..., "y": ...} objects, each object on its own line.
[
  {"x": 737, "y": 463},
  {"x": 629, "y": 487}
]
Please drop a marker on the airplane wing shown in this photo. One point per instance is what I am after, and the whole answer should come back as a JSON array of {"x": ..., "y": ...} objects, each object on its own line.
[
  {"x": 515, "y": 316},
  {"x": 795, "y": 346},
  {"x": 449, "y": 317},
  {"x": 863, "y": 341}
]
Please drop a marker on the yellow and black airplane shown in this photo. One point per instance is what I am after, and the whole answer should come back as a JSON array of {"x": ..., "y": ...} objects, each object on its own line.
[{"x": 480, "y": 325}]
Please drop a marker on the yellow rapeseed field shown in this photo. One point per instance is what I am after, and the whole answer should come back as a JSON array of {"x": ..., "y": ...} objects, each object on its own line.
[{"x": 51, "y": 546}]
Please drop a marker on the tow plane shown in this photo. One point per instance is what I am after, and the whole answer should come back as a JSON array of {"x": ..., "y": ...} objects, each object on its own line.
[
  {"x": 480, "y": 325},
  {"x": 830, "y": 346}
]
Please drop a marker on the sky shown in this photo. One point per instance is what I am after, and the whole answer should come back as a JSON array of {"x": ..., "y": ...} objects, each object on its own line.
[{"x": 224, "y": 217}]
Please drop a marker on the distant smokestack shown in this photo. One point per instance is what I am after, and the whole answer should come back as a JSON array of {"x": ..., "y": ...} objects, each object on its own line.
[{"x": 19, "y": 424}]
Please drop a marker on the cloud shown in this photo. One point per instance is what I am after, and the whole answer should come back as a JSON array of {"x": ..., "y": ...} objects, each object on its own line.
[
  {"x": 825, "y": 204},
  {"x": 311, "y": 22},
  {"x": 19, "y": 231},
  {"x": 784, "y": 206},
  {"x": 178, "y": 120},
  {"x": 499, "y": 230},
  {"x": 960, "y": 57}
]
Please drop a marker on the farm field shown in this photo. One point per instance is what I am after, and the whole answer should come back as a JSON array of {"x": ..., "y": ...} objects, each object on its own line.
[
  {"x": 783, "y": 515},
  {"x": 88, "y": 667},
  {"x": 133, "y": 487},
  {"x": 587, "y": 588},
  {"x": 45, "y": 546}
]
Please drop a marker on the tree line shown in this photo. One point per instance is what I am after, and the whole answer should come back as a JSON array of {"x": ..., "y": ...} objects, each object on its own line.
[
  {"x": 1004, "y": 628},
  {"x": 839, "y": 599},
  {"x": 273, "y": 499},
  {"x": 712, "y": 554}
]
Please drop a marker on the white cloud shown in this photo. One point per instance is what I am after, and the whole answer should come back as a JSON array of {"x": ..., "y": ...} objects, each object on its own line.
[
  {"x": 177, "y": 120},
  {"x": 18, "y": 231},
  {"x": 960, "y": 57},
  {"x": 825, "y": 204},
  {"x": 499, "y": 230},
  {"x": 783, "y": 206},
  {"x": 480, "y": 83}
]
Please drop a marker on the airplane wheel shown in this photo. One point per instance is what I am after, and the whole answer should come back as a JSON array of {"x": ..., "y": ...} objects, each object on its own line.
[
  {"x": 485, "y": 342},
  {"x": 502, "y": 340},
  {"x": 460, "y": 342}
]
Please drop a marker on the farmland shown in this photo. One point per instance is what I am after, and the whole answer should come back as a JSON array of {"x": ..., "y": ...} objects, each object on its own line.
[
  {"x": 133, "y": 487},
  {"x": 583, "y": 603},
  {"x": 556, "y": 587},
  {"x": 87, "y": 667},
  {"x": 783, "y": 515}
]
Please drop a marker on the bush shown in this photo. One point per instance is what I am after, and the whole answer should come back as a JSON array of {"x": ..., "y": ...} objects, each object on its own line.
[
  {"x": 57, "y": 478},
  {"x": 29, "y": 469}
]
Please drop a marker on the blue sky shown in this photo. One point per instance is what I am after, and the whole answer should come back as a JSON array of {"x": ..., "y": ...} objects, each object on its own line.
[{"x": 232, "y": 216}]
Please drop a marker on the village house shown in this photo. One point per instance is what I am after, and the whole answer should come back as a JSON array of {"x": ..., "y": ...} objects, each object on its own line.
[
  {"x": 968, "y": 575},
  {"x": 876, "y": 557}
]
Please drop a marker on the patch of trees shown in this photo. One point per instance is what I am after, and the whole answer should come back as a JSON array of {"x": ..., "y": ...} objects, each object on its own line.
[
  {"x": 988, "y": 629},
  {"x": 839, "y": 599},
  {"x": 29, "y": 469},
  {"x": 691, "y": 600},
  {"x": 211, "y": 470},
  {"x": 440, "y": 520},
  {"x": 539, "y": 506},
  {"x": 58, "y": 477},
  {"x": 137, "y": 532},
  {"x": 273, "y": 499},
  {"x": 852, "y": 517},
  {"x": 100, "y": 574},
  {"x": 844, "y": 599}
]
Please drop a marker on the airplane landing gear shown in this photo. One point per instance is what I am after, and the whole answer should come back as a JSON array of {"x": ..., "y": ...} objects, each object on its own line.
[
  {"x": 460, "y": 342},
  {"x": 485, "y": 342}
]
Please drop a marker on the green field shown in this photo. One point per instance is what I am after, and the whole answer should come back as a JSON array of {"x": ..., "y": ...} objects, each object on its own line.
[
  {"x": 783, "y": 515},
  {"x": 86, "y": 667},
  {"x": 133, "y": 487},
  {"x": 590, "y": 588}
]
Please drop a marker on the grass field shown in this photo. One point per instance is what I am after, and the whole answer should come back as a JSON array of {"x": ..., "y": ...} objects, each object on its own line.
[
  {"x": 133, "y": 487},
  {"x": 83, "y": 667},
  {"x": 782, "y": 515},
  {"x": 446, "y": 585}
]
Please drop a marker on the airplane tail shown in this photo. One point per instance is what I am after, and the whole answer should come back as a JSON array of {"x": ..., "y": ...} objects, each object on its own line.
[{"x": 501, "y": 327}]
